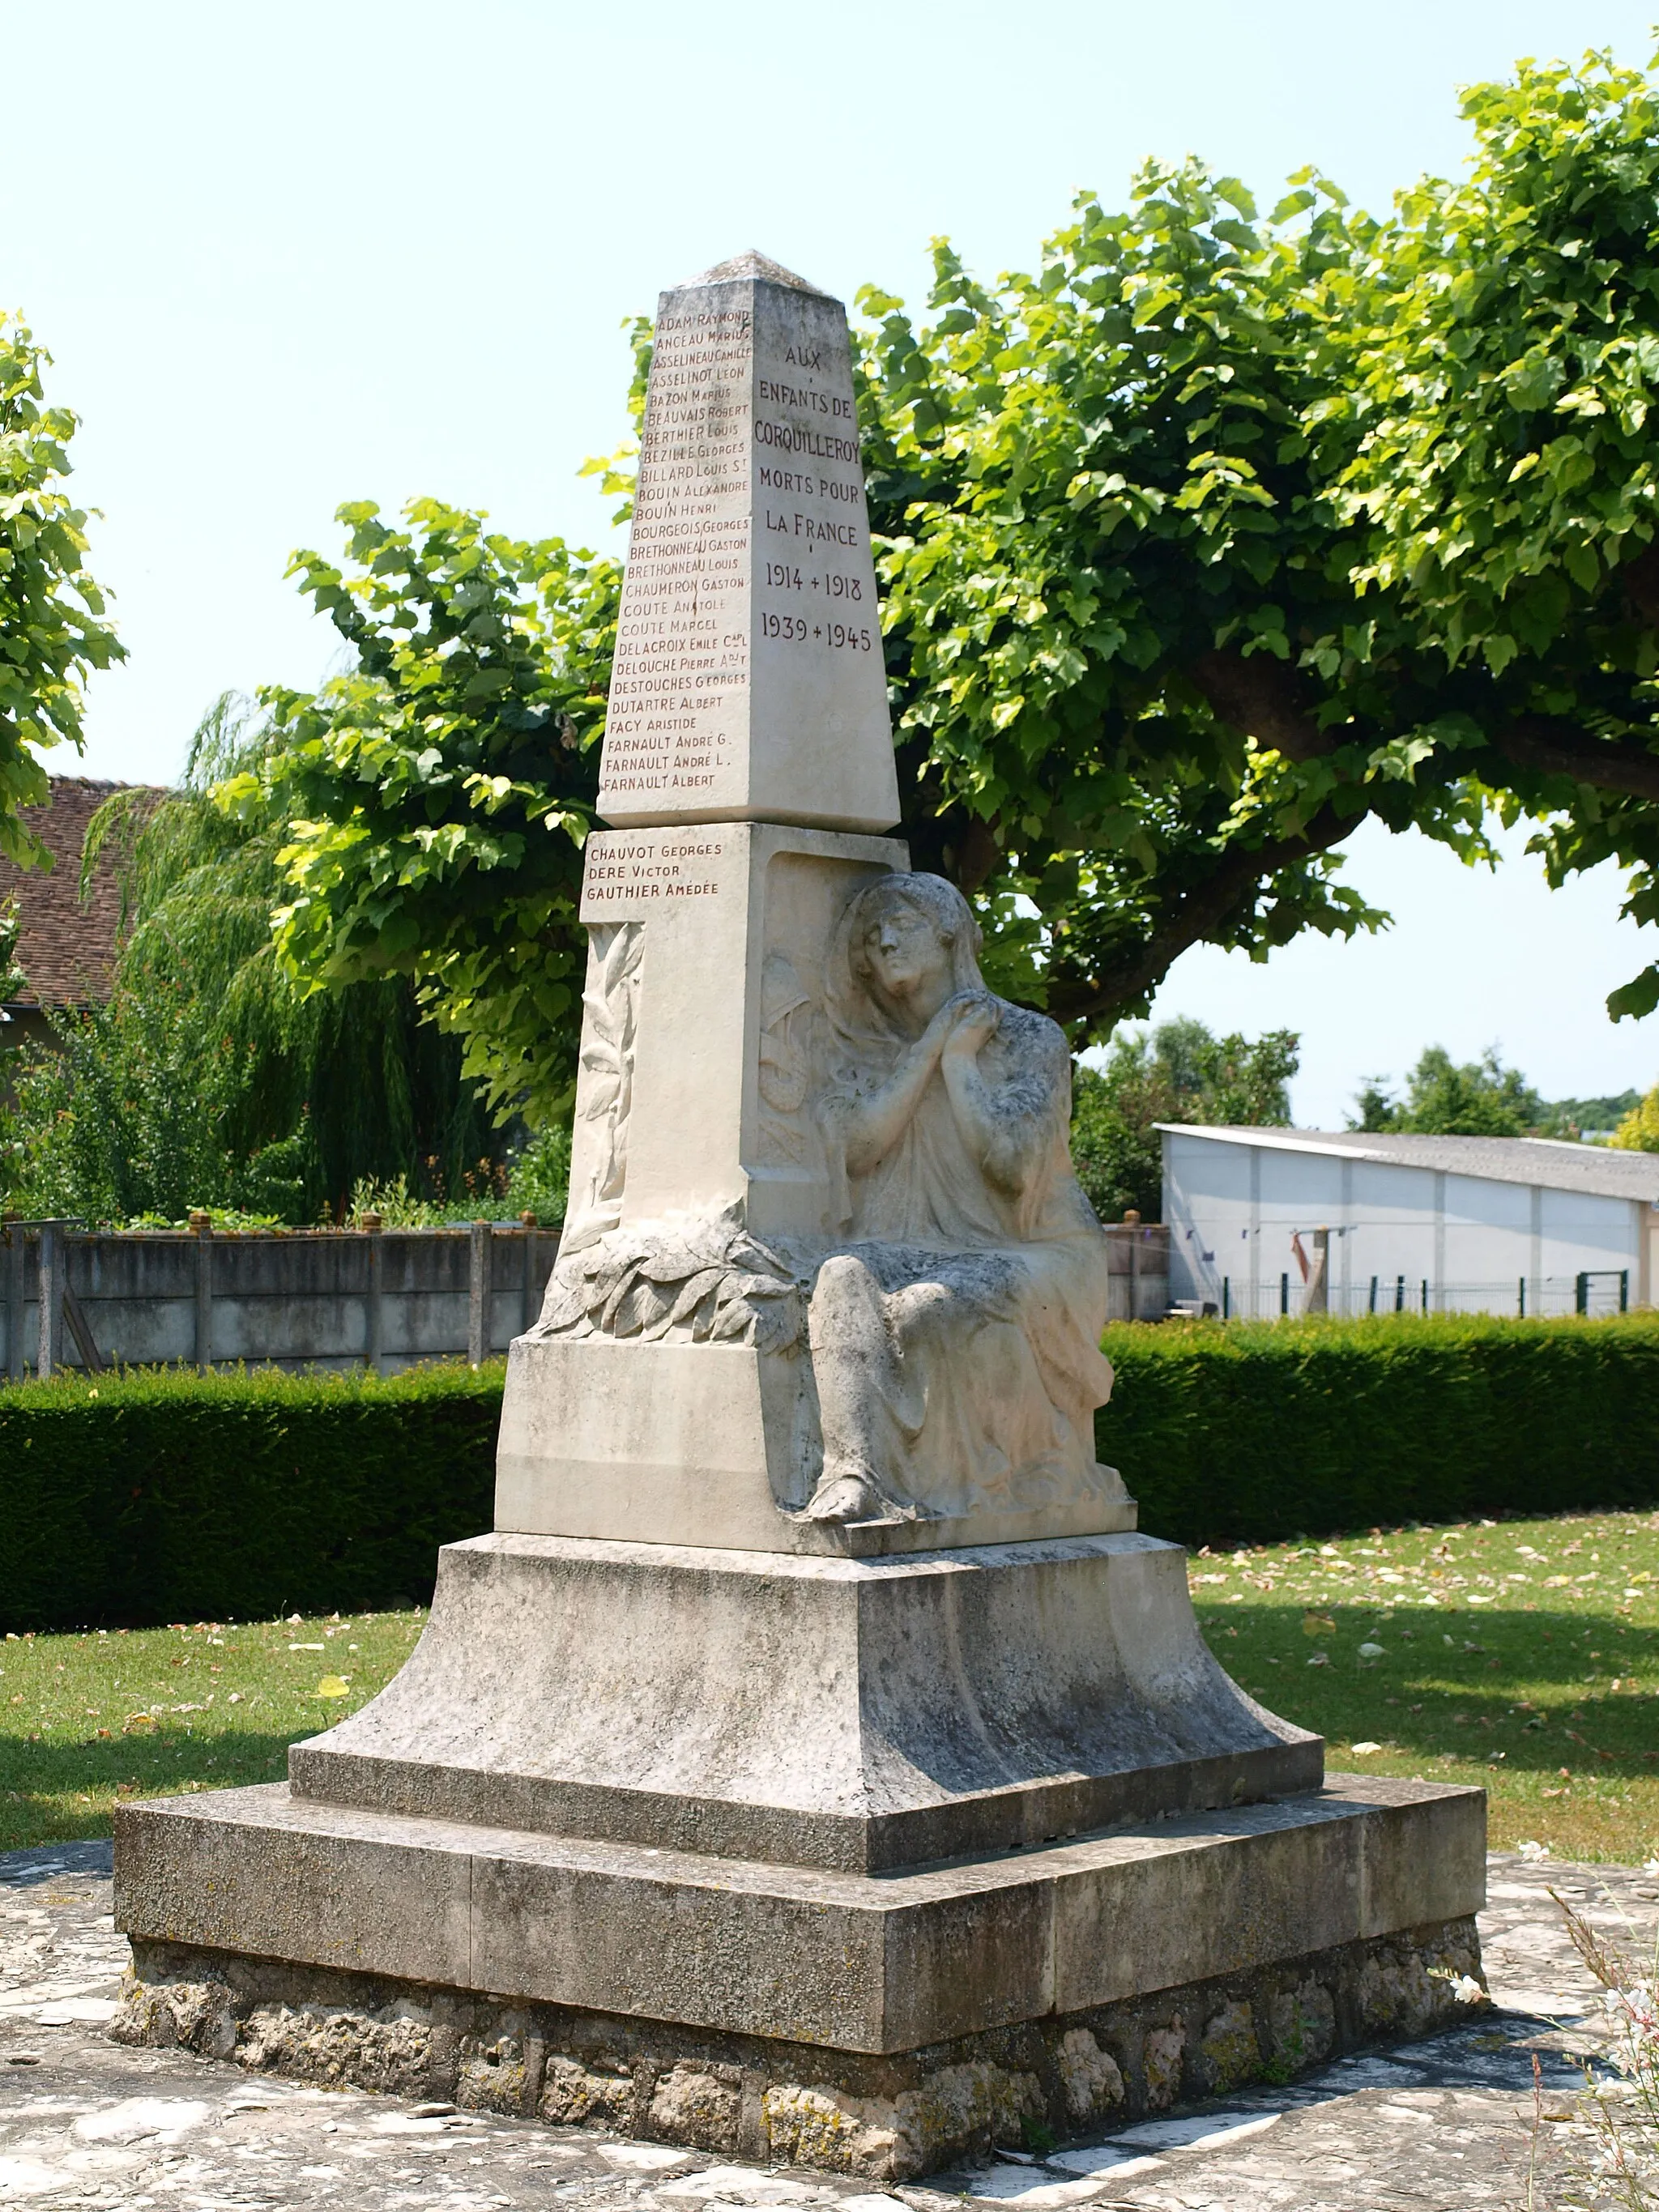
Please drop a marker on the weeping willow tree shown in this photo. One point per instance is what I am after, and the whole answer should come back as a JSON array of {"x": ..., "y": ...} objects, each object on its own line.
[{"x": 208, "y": 1079}]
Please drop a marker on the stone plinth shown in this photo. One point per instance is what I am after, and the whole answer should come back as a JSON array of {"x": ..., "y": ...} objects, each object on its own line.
[
  {"x": 699, "y": 1444},
  {"x": 808, "y": 1711},
  {"x": 874, "y": 2024}
]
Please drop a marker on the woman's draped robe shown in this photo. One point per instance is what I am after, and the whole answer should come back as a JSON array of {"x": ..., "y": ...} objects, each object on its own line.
[{"x": 956, "y": 1336}]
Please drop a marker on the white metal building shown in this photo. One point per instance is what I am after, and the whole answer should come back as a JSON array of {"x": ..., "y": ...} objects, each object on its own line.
[{"x": 1498, "y": 1224}]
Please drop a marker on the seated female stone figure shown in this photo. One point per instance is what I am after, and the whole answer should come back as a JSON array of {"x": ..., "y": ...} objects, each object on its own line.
[{"x": 954, "y": 1334}]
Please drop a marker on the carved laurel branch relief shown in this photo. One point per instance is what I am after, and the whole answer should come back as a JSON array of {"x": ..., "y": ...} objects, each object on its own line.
[
  {"x": 701, "y": 1281},
  {"x": 610, "y": 1014}
]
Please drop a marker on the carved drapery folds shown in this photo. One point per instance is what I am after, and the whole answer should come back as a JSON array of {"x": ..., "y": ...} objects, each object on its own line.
[
  {"x": 947, "y": 1321},
  {"x": 697, "y": 1282}
]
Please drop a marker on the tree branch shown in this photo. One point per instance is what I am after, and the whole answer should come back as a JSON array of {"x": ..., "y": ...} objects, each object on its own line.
[
  {"x": 1195, "y": 916},
  {"x": 1557, "y": 748},
  {"x": 1261, "y": 696}
]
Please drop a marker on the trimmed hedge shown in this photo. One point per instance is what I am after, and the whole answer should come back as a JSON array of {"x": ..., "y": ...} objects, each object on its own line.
[
  {"x": 1253, "y": 1432},
  {"x": 164, "y": 1495}
]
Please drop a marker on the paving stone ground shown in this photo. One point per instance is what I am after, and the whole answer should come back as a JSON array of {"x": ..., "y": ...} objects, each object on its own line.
[{"x": 1430, "y": 2126}]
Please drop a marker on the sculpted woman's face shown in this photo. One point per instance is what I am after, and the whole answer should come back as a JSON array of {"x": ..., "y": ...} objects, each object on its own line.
[{"x": 907, "y": 958}]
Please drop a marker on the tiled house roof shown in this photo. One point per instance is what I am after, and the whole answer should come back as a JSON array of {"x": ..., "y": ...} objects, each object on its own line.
[{"x": 66, "y": 949}]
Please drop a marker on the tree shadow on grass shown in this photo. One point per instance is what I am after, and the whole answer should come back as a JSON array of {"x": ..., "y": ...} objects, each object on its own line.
[
  {"x": 42, "y": 1784},
  {"x": 1508, "y": 1681}
]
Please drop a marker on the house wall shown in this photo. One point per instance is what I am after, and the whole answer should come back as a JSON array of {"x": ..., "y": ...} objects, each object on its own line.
[{"x": 1231, "y": 1209}]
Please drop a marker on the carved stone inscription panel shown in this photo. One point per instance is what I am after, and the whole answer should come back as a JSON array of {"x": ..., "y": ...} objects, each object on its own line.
[
  {"x": 676, "y": 737},
  {"x": 748, "y": 680},
  {"x": 627, "y": 875}
]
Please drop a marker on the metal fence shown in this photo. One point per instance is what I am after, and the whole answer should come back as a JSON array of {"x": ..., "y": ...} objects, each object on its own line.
[{"x": 1592, "y": 1291}]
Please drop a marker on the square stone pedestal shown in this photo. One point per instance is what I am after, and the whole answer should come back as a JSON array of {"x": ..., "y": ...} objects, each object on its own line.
[{"x": 859, "y": 1862}]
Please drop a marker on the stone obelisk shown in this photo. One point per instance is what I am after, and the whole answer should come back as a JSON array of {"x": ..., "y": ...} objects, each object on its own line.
[{"x": 814, "y": 1762}]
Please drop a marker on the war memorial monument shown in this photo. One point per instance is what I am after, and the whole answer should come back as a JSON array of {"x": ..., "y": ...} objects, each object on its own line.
[{"x": 814, "y": 1764}]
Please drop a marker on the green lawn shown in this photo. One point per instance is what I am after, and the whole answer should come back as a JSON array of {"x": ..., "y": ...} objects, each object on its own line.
[
  {"x": 85, "y": 1719},
  {"x": 1524, "y": 1656}
]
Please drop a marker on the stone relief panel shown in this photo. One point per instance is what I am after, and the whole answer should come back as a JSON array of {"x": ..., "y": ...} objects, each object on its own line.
[
  {"x": 942, "y": 1312},
  {"x": 611, "y": 1021},
  {"x": 954, "y": 1326},
  {"x": 805, "y": 896}
]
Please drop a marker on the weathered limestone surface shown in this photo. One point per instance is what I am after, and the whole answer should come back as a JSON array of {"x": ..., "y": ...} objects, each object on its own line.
[
  {"x": 878, "y": 2026},
  {"x": 748, "y": 682},
  {"x": 809, "y": 1710},
  {"x": 455, "y": 2109}
]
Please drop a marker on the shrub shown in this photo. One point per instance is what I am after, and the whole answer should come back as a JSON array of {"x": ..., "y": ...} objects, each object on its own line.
[
  {"x": 1255, "y": 1431},
  {"x": 164, "y": 1495}
]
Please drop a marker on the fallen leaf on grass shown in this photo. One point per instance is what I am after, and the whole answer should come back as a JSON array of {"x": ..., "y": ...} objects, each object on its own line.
[{"x": 332, "y": 1685}]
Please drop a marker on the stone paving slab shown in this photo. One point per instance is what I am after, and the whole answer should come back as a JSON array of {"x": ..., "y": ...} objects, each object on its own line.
[{"x": 1430, "y": 2126}]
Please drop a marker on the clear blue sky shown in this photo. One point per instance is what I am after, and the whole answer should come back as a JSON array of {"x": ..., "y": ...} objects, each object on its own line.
[{"x": 289, "y": 256}]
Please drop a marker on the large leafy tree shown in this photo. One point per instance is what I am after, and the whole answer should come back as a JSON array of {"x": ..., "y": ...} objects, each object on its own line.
[
  {"x": 1212, "y": 538},
  {"x": 53, "y": 629},
  {"x": 438, "y": 794},
  {"x": 207, "y": 1078}
]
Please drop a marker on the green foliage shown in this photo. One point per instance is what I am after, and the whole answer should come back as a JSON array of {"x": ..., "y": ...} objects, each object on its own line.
[
  {"x": 1480, "y": 1098},
  {"x": 119, "y": 1507},
  {"x": 1638, "y": 1131},
  {"x": 1506, "y": 356},
  {"x": 438, "y": 795},
  {"x": 1581, "y": 1117},
  {"x": 1255, "y": 1431},
  {"x": 1179, "y": 1073},
  {"x": 1215, "y": 537},
  {"x": 290, "y": 1098},
  {"x": 537, "y": 1180},
  {"x": 51, "y": 625},
  {"x": 12, "y": 978}
]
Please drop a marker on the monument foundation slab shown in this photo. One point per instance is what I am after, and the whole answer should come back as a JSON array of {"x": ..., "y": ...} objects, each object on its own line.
[{"x": 881, "y": 2025}]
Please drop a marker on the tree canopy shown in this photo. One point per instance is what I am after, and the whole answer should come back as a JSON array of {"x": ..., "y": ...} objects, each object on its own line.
[
  {"x": 206, "y": 1079},
  {"x": 1480, "y": 1098},
  {"x": 53, "y": 629},
  {"x": 1215, "y": 537}
]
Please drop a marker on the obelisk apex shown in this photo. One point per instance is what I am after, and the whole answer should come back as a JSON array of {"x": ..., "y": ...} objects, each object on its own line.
[{"x": 749, "y": 683}]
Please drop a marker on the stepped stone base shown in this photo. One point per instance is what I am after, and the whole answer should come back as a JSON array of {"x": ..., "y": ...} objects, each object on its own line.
[
  {"x": 881, "y": 2025},
  {"x": 855, "y": 1714}
]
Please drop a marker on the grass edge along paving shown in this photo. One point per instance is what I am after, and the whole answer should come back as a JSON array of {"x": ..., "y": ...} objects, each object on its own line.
[{"x": 1522, "y": 1656}]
